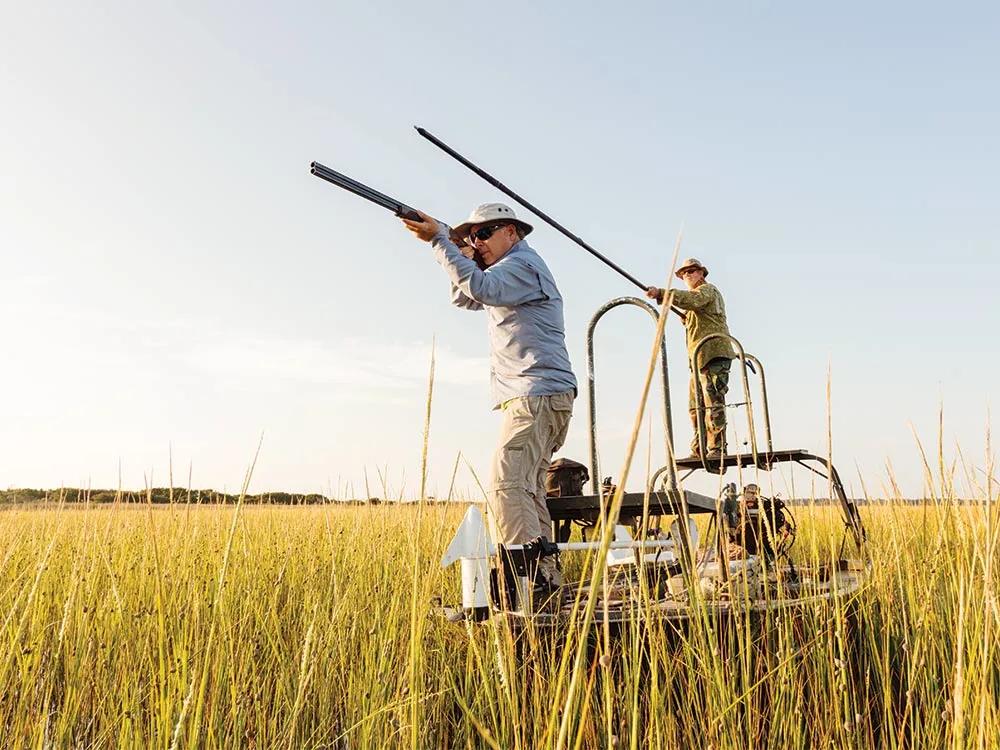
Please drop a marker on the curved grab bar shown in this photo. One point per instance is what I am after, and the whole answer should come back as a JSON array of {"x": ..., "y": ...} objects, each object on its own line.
[
  {"x": 592, "y": 396},
  {"x": 700, "y": 399}
]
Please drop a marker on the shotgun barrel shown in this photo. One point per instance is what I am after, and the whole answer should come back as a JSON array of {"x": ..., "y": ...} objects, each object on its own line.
[
  {"x": 381, "y": 199},
  {"x": 359, "y": 188}
]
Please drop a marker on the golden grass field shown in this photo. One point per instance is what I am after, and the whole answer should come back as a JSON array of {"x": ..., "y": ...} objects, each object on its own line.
[{"x": 212, "y": 626}]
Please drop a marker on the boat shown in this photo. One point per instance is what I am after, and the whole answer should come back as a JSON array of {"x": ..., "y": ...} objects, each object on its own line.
[{"x": 660, "y": 562}]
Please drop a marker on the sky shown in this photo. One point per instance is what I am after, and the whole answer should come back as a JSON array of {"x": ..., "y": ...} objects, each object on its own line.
[{"x": 177, "y": 292}]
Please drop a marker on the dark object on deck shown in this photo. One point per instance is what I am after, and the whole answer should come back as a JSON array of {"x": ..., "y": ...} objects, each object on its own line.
[
  {"x": 515, "y": 565},
  {"x": 762, "y": 524},
  {"x": 565, "y": 478}
]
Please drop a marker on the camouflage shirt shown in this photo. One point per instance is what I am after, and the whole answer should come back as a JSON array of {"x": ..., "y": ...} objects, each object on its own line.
[{"x": 706, "y": 314}]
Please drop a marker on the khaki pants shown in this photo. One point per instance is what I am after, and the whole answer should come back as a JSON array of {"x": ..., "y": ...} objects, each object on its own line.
[{"x": 534, "y": 428}]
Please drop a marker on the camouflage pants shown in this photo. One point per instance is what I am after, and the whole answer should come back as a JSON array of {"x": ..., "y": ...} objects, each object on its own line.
[{"x": 714, "y": 386}]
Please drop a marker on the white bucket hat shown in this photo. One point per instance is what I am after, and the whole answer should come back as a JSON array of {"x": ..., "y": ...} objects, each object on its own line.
[
  {"x": 490, "y": 213},
  {"x": 691, "y": 263}
]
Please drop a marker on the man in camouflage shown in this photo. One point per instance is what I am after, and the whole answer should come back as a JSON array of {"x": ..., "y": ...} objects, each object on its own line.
[{"x": 706, "y": 314}]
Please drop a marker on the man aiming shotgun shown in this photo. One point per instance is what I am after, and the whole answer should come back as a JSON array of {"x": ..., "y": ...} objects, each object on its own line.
[
  {"x": 491, "y": 267},
  {"x": 531, "y": 379}
]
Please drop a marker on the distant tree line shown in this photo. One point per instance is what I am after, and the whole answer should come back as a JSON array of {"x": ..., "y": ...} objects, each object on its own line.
[{"x": 164, "y": 495}]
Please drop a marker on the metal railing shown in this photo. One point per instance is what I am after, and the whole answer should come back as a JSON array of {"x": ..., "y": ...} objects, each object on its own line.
[
  {"x": 699, "y": 395},
  {"x": 592, "y": 395}
]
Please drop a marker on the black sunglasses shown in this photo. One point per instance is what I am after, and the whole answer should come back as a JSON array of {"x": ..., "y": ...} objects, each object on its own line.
[{"x": 484, "y": 233}]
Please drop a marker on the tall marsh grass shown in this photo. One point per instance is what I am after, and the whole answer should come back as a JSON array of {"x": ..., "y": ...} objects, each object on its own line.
[{"x": 211, "y": 626}]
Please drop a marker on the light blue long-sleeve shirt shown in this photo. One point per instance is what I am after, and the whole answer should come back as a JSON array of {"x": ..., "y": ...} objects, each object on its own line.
[{"x": 527, "y": 333}]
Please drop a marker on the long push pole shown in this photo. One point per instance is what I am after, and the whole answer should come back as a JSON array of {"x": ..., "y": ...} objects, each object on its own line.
[{"x": 536, "y": 211}]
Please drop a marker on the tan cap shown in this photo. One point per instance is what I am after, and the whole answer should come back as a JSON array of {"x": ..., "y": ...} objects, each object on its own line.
[
  {"x": 691, "y": 263},
  {"x": 489, "y": 213}
]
